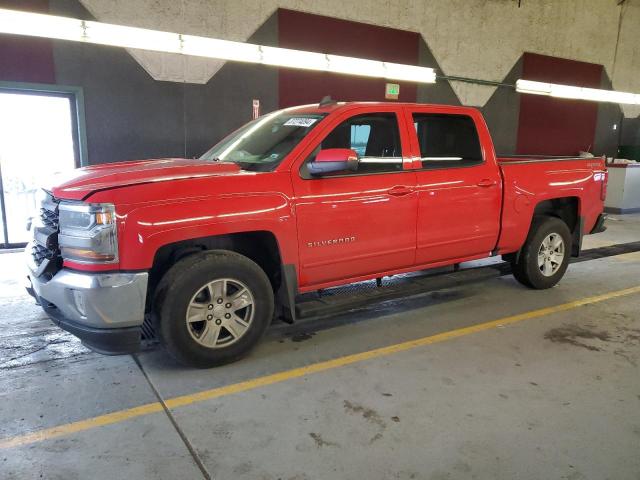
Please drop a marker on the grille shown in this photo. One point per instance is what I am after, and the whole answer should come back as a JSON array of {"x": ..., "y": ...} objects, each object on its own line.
[
  {"x": 40, "y": 253},
  {"x": 50, "y": 226},
  {"x": 49, "y": 218}
]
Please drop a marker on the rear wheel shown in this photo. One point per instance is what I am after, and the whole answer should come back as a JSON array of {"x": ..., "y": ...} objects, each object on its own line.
[
  {"x": 545, "y": 255},
  {"x": 213, "y": 308}
]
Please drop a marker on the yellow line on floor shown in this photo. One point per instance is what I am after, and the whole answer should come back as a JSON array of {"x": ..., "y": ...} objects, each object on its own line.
[{"x": 183, "y": 400}]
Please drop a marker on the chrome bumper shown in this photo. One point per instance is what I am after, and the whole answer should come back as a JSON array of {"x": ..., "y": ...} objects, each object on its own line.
[{"x": 94, "y": 300}]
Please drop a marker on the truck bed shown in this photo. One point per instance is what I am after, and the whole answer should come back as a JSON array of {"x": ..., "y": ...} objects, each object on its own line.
[{"x": 530, "y": 180}]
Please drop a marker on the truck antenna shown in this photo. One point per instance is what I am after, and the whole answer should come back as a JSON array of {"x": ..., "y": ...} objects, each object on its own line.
[{"x": 326, "y": 100}]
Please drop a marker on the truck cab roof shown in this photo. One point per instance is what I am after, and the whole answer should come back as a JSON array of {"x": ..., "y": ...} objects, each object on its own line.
[{"x": 340, "y": 106}]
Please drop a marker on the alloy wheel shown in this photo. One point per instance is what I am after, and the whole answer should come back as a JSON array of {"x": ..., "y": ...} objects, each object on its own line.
[
  {"x": 551, "y": 254},
  {"x": 220, "y": 313}
]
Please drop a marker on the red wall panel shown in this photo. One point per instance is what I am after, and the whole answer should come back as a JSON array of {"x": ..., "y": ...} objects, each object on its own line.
[
  {"x": 26, "y": 59},
  {"x": 317, "y": 33},
  {"x": 552, "y": 126}
]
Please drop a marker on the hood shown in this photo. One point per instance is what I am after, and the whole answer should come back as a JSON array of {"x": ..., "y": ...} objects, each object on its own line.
[{"x": 82, "y": 182}]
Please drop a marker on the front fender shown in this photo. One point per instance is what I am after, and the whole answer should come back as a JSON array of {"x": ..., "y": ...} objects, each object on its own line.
[{"x": 149, "y": 227}]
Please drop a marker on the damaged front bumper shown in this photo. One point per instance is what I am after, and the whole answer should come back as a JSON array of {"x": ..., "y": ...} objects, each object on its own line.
[{"x": 104, "y": 310}]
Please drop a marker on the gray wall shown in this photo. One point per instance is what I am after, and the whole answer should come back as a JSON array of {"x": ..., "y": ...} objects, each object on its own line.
[
  {"x": 630, "y": 134},
  {"x": 502, "y": 113},
  {"x": 440, "y": 93},
  {"x": 609, "y": 114},
  {"x": 129, "y": 115},
  {"x": 225, "y": 102}
]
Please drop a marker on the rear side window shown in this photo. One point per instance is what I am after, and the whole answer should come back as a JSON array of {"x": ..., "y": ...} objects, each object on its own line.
[{"x": 447, "y": 141}]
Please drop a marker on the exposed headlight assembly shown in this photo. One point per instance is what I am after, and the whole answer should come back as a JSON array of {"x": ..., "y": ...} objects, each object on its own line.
[{"x": 88, "y": 232}]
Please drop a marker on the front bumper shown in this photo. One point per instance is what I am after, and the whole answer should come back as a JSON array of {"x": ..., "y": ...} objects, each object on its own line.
[{"x": 104, "y": 310}]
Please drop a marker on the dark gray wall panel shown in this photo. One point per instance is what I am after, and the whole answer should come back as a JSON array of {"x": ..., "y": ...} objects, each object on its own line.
[
  {"x": 225, "y": 102},
  {"x": 440, "y": 92},
  {"x": 502, "y": 112},
  {"x": 630, "y": 132},
  {"x": 609, "y": 114},
  {"x": 129, "y": 115}
]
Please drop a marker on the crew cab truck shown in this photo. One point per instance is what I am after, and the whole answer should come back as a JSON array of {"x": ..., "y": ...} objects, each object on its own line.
[{"x": 305, "y": 198}]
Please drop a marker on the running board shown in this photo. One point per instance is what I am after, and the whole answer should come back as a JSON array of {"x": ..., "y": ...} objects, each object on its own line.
[{"x": 363, "y": 294}]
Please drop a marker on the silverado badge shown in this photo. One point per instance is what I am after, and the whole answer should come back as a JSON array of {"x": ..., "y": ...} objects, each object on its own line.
[{"x": 332, "y": 241}]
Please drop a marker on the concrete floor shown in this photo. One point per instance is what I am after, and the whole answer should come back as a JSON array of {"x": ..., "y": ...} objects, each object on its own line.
[{"x": 555, "y": 396}]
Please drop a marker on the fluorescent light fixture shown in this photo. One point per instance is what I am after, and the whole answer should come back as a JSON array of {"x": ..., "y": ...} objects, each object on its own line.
[
  {"x": 130, "y": 37},
  {"x": 37, "y": 25},
  {"x": 63, "y": 28},
  {"x": 409, "y": 73},
  {"x": 374, "y": 68},
  {"x": 576, "y": 93},
  {"x": 284, "y": 57},
  {"x": 220, "y": 49},
  {"x": 356, "y": 66}
]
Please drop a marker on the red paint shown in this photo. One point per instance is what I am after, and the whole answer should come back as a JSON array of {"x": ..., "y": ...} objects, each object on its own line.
[
  {"x": 531, "y": 183},
  {"x": 336, "y": 155},
  {"x": 341, "y": 229},
  {"x": 552, "y": 126},
  {"x": 474, "y": 194},
  {"x": 359, "y": 207},
  {"x": 80, "y": 183},
  {"x": 26, "y": 59},
  {"x": 316, "y": 33}
]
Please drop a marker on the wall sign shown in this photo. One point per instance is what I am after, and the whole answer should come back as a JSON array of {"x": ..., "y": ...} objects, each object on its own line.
[
  {"x": 256, "y": 108},
  {"x": 391, "y": 91}
]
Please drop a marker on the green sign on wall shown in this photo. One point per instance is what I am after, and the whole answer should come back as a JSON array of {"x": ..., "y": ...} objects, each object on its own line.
[{"x": 392, "y": 91}]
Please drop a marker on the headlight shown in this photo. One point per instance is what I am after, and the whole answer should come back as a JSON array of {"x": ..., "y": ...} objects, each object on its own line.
[{"x": 88, "y": 232}]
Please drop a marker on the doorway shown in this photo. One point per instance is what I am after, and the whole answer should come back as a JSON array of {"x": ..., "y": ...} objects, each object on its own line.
[{"x": 38, "y": 139}]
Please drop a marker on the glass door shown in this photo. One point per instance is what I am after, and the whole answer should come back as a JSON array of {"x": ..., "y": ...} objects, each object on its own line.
[{"x": 37, "y": 141}]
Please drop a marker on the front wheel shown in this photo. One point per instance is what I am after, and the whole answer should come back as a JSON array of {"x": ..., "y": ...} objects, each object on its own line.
[
  {"x": 213, "y": 308},
  {"x": 545, "y": 255}
]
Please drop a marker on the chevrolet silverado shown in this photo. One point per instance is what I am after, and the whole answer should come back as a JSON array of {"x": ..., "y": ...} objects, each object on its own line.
[{"x": 210, "y": 250}]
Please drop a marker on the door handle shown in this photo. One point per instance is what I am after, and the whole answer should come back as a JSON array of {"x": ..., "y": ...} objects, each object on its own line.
[
  {"x": 400, "y": 190},
  {"x": 486, "y": 183}
]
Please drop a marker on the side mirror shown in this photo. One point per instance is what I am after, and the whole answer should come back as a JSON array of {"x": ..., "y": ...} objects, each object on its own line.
[{"x": 333, "y": 160}]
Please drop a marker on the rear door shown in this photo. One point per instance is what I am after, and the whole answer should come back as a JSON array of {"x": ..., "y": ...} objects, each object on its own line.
[
  {"x": 458, "y": 184},
  {"x": 354, "y": 224}
]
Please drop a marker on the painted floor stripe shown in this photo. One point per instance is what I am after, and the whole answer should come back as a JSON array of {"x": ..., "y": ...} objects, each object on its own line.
[{"x": 183, "y": 400}]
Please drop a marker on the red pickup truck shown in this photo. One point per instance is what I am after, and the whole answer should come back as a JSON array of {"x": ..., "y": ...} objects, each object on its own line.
[{"x": 301, "y": 199}]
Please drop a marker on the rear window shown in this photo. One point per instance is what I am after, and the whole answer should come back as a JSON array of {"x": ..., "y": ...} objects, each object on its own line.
[{"x": 447, "y": 141}]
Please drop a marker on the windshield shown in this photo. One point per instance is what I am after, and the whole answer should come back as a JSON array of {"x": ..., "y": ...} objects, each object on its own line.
[{"x": 263, "y": 143}]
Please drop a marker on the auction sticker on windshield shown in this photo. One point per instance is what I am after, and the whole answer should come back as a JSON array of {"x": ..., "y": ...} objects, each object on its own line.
[{"x": 300, "y": 122}]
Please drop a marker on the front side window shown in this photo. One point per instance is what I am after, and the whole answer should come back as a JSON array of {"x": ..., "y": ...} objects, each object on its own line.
[
  {"x": 375, "y": 137},
  {"x": 262, "y": 144},
  {"x": 447, "y": 141}
]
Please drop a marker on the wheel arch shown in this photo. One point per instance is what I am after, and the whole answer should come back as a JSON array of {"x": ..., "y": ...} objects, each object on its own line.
[
  {"x": 260, "y": 246},
  {"x": 566, "y": 209}
]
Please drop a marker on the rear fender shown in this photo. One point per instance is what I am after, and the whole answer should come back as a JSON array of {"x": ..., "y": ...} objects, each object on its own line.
[{"x": 565, "y": 208}]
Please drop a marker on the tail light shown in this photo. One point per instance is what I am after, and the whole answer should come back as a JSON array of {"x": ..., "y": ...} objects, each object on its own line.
[{"x": 603, "y": 187}]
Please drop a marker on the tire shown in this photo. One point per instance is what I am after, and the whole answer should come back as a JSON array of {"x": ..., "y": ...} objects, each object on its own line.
[
  {"x": 213, "y": 308},
  {"x": 545, "y": 232}
]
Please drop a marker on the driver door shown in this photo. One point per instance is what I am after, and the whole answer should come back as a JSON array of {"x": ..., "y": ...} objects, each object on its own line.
[{"x": 355, "y": 224}]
